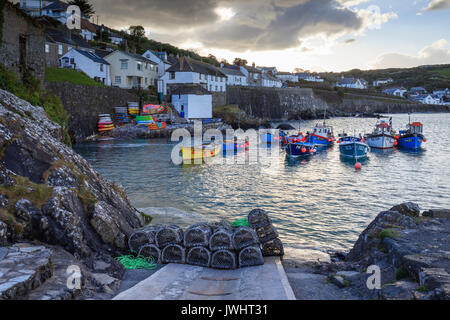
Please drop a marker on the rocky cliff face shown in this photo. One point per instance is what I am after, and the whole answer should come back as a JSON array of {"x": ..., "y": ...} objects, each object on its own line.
[{"x": 51, "y": 194}]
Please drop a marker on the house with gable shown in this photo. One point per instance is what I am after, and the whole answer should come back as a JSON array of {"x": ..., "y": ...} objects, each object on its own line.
[
  {"x": 254, "y": 75},
  {"x": 88, "y": 62},
  {"x": 159, "y": 58},
  {"x": 352, "y": 83},
  {"x": 131, "y": 70},
  {"x": 287, "y": 76},
  {"x": 190, "y": 71},
  {"x": 398, "y": 92},
  {"x": 234, "y": 76}
]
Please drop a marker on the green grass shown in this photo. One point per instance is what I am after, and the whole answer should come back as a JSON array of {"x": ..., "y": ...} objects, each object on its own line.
[
  {"x": 29, "y": 89},
  {"x": 233, "y": 109},
  {"x": 444, "y": 72},
  {"x": 70, "y": 76},
  {"x": 388, "y": 233}
]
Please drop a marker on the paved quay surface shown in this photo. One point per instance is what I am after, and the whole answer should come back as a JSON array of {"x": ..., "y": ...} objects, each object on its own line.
[{"x": 186, "y": 282}]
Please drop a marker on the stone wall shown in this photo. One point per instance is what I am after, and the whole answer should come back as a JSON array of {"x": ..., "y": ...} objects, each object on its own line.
[
  {"x": 85, "y": 103},
  {"x": 219, "y": 99},
  {"x": 303, "y": 103},
  {"x": 23, "y": 43},
  {"x": 272, "y": 103}
]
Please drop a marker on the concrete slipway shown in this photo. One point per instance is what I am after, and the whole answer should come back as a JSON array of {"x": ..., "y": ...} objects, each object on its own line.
[{"x": 186, "y": 282}]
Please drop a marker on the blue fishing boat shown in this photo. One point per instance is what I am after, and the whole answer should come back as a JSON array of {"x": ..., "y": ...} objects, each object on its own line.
[
  {"x": 353, "y": 147},
  {"x": 412, "y": 137},
  {"x": 322, "y": 135},
  {"x": 230, "y": 146},
  {"x": 300, "y": 149}
]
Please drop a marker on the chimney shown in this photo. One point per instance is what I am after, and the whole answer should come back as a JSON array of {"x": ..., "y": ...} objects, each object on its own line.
[
  {"x": 253, "y": 65},
  {"x": 181, "y": 63}
]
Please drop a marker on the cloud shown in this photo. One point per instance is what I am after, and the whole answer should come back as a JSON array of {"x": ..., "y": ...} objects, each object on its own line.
[
  {"x": 437, "y": 5},
  {"x": 242, "y": 25},
  {"x": 436, "y": 53}
]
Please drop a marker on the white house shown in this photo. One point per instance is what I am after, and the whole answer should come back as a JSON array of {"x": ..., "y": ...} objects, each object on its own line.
[
  {"x": 56, "y": 10},
  {"x": 160, "y": 58},
  {"x": 189, "y": 71},
  {"x": 442, "y": 93},
  {"x": 381, "y": 82},
  {"x": 398, "y": 92},
  {"x": 287, "y": 76},
  {"x": 34, "y": 7},
  {"x": 418, "y": 91},
  {"x": 115, "y": 38},
  {"x": 88, "y": 31},
  {"x": 427, "y": 99},
  {"x": 309, "y": 77},
  {"x": 352, "y": 83},
  {"x": 88, "y": 62},
  {"x": 234, "y": 77},
  {"x": 270, "y": 81},
  {"x": 253, "y": 75},
  {"x": 270, "y": 70},
  {"x": 194, "y": 101},
  {"x": 131, "y": 70}
]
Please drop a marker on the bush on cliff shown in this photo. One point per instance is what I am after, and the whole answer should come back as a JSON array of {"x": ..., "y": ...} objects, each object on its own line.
[{"x": 30, "y": 90}]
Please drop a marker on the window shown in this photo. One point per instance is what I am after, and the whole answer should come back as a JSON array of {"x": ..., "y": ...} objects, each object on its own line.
[
  {"x": 124, "y": 64},
  {"x": 72, "y": 61},
  {"x": 139, "y": 66},
  {"x": 216, "y": 88},
  {"x": 172, "y": 75},
  {"x": 145, "y": 81},
  {"x": 101, "y": 67},
  {"x": 117, "y": 79},
  {"x": 47, "y": 48},
  {"x": 60, "y": 49}
]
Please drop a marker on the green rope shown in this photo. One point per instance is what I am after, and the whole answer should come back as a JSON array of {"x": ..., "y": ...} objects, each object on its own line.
[
  {"x": 241, "y": 223},
  {"x": 131, "y": 262}
]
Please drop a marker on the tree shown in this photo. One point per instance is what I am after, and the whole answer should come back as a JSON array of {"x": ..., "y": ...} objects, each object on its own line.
[
  {"x": 240, "y": 62},
  {"x": 85, "y": 7},
  {"x": 137, "y": 32}
]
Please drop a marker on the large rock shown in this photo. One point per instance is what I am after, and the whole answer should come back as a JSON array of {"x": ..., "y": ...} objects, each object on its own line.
[{"x": 52, "y": 194}]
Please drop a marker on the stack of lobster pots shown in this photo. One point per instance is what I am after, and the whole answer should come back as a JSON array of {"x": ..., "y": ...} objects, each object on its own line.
[
  {"x": 133, "y": 108},
  {"x": 122, "y": 115},
  {"x": 218, "y": 246},
  {"x": 105, "y": 123}
]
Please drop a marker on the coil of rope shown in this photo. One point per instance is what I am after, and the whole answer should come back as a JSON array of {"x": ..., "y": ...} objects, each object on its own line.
[{"x": 131, "y": 262}]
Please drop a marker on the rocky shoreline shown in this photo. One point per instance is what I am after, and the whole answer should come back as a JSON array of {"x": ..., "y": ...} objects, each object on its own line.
[{"x": 59, "y": 217}]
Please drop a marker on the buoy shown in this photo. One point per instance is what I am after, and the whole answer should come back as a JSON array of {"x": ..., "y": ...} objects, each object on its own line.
[
  {"x": 303, "y": 150},
  {"x": 358, "y": 166},
  {"x": 395, "y": 143},
  {"x": 339, "y": 141},
  {"x": 424, "y": 140},
  {"x": 397, "y": 137}
]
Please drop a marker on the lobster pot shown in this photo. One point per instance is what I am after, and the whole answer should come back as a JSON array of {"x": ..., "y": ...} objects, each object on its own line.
[
  {"x": 142, "y": 237},
  {"x": 173, "y": 253},
  {"x": 150, "y": 250},
  {"x": 224, "y": 259},
  {"x": 199, "y": 256},
  {"x": 222, "y": 239},
  {"x": 244, "y": 237},
  {"x": 272, "y": 248},
  {"x": 169, "y": 235},
  {"x": 266, "y": 233},
  {"x": 250, "y": 256},
  {"x": 197, "y": 235},
  {"x": 258, "y": 218}
]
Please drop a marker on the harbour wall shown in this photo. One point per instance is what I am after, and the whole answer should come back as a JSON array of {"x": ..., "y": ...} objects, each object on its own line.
[{"x": 84, "y": 104}]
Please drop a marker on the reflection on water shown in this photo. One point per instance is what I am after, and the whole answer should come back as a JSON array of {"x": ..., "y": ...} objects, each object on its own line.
[{"x": 314, "y": 201}]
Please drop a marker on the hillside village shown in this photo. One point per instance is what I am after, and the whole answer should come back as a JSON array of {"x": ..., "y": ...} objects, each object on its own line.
[{"x": 114, "y": 58}]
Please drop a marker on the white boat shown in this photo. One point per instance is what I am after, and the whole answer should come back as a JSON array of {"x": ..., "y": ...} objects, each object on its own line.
[{"x": 383, "y": 137}]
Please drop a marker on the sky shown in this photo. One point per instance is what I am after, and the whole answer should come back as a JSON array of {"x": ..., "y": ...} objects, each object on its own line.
[{"x": 315, "y": 35}]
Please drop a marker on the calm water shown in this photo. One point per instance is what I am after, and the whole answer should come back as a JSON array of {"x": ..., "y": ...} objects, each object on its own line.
[{"x": 322, "y": 202}]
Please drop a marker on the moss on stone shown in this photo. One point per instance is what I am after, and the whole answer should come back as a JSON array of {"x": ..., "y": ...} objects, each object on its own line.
[
  {"x": 388, "y": 233},
  {"x": 401, "y": 273}
]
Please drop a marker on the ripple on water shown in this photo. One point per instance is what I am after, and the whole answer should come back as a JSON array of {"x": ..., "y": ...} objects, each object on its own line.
[{"x": 320, "y": 202}]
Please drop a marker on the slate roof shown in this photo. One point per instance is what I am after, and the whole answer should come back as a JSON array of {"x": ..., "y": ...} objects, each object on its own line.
[
  {"x": 392, "y": 90},
  {"x": 252, "y": 69},
  {"x": 136, "y": 57},
  {"x": 232, "y": 72},
  {"x": 62, "y": 36},
  {"x": 85, "y": 24},
  {"x": 92, "y": 56},
  {"x": 269, "y": 77},
  {"x": 185, "y": 64},
  {"x": 56, "y": 6},
  {"x": 190, "y": 89}
]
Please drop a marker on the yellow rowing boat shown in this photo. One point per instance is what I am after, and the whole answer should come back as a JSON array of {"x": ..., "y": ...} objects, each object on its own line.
[{"x": 193, "y": 153}]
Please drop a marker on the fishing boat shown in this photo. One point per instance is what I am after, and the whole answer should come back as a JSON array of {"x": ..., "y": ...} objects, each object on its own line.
[
  {"x": 382, "y": 137},
  {"x": 412, "y": 137},
  {"x": 322, "y": 135},
  {"x": 353, "y": 146},
  {"x": 234, "y": 146},
  {"x": 300, "y": 149},
  {"x": 200, "y": 153}
]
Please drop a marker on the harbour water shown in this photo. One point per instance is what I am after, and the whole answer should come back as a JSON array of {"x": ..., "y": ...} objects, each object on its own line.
[{"x": 321, "y": 202}]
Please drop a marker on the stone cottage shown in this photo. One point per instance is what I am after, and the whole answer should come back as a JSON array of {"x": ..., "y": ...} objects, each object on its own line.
[{"x": 22, "y": 41}]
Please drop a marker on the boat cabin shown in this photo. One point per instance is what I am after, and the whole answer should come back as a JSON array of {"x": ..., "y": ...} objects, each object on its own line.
[
  {"x": 383, "y": 127},
  {"x": 323, "y": 130},
  {"x": 415, "y": 127}
]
